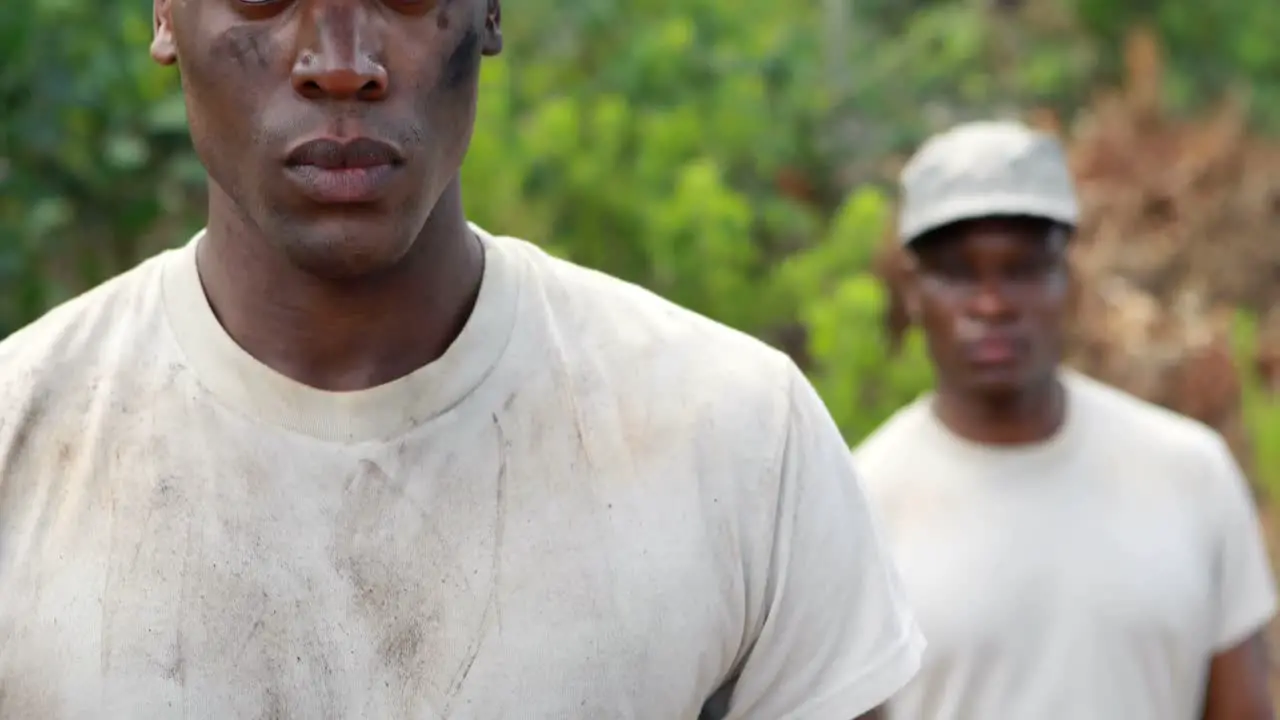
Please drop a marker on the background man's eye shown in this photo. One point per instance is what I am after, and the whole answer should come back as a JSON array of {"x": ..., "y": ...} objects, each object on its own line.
[
  {"x": 1024, "y": 270},
  {"x": 954, "y": 270}
]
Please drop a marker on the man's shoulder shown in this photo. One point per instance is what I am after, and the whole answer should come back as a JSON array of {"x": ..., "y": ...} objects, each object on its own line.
[
  {"x": 1136, "y": 422},
  {"x": 49, "y": 354},
  {"x": 632, "y": 324},
  {"x": 680, "y": 368},
  {"x": 1154, "y": 443},
  {"x": 896, "y": 442}
]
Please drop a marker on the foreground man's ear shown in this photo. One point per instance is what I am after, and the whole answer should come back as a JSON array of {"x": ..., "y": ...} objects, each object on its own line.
[
  {"x": 492, "y": 44},
  {"x": 163, "y": 49}
]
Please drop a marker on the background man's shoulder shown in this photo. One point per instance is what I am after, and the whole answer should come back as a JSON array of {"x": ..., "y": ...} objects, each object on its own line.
[
  {"x": 1156, "y": 447},
  {"x": 1137, "y": 424},
  {"x": 900, "y": 439}
]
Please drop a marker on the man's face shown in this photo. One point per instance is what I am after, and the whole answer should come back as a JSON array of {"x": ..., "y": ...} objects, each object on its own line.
[
  {"x": 332, "y": 126},
  {"x": 991, "y": 296}
]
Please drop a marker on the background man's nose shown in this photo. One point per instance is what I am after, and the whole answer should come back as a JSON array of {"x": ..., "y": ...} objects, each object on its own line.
[{"x": 989, "y": 300}]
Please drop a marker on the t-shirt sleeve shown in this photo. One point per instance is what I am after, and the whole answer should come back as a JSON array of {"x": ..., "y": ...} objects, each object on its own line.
[
  {"x": 1246, "y": 589},
  {"x": 838, "y": 639}
]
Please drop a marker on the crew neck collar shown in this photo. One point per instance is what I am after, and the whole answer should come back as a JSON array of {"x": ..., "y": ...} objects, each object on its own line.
[
  {"x": 1057, "y": 443},
  {"x": 250, "y": 387}
]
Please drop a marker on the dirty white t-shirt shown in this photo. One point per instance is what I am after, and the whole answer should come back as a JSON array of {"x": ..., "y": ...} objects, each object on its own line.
[
  {"x": 1093, "y": 576},
  {"x": 595, "y": 505}
]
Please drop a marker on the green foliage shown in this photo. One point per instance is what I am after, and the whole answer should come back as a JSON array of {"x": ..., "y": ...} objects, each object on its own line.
[
  {"x": 93, "y": 139},
  {"x": 1261, "y": 409},
  {"x": 1217, "y": 46},
  {"x": 843, "y": 307},
  {"x": 728, "y": 154},
  {"x": 860, "y": 381},
  {"x": 652, "y": 154}
]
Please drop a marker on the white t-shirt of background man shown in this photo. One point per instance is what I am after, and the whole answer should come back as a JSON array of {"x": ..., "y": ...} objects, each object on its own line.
[
  {"x": 594, "y": 505},
  {"x": 1092, "y": 576}
]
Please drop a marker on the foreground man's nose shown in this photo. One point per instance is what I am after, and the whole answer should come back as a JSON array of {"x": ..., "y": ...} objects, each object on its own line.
[{"x": 337, "y": 59}]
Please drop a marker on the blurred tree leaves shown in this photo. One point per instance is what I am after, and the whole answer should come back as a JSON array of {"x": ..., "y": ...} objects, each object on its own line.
[
  {"x": 1214, "y": 46},
  {"x": 94, "y": 144},
  {"x": 733, "y": 156}
]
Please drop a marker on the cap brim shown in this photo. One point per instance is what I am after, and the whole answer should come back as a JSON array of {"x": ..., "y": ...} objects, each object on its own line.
[{"x": 914, "y": 223}]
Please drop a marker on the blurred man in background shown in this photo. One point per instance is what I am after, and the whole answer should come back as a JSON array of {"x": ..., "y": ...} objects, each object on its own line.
[
  {"x": 1072, "y": 552},
  {"x": 345, "y": 455}
]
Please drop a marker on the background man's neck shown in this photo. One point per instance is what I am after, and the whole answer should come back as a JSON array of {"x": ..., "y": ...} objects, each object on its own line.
[{"x": 1032, "y": 415}]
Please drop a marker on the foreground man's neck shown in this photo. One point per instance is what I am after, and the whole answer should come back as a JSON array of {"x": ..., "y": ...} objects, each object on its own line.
[
  {"x": 1028, "y": 417},
  {"x": 343, "y": 335}
]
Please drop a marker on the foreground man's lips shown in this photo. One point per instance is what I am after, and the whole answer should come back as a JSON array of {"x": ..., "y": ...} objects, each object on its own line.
[{"x": 335, "y": 171}]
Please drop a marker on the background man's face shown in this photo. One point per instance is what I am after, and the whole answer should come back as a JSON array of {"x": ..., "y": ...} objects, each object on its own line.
[
  {"x": 264, "y": 78},
  {"x": 991, "y": 296}
]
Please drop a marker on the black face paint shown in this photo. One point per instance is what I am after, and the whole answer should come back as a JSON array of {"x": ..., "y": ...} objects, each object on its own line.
[
  {"x": 464, "y": 63},
  {"x": 246, "y": 45}
]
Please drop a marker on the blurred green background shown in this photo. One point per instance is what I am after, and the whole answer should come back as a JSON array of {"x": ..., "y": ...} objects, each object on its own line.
[{"x": 734, "y": 155}]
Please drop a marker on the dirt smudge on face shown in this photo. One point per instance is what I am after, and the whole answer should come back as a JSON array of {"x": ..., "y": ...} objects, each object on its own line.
[
  {"x": 463, "y": 64},
  {"x": 248, "y": 46}
]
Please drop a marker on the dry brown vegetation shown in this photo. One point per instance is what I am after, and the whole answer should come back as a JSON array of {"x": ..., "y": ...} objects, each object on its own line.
[{"x": 1180, "y": 221}]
